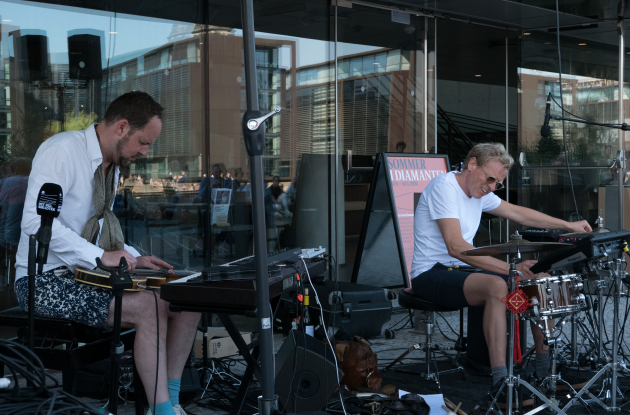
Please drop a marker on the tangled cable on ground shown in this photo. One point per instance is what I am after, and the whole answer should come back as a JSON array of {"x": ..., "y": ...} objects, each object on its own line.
[{"x": 38, "y": 396}]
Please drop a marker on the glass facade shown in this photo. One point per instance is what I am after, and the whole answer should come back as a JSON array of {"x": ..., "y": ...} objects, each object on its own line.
[{"x": 351, "y": 82}]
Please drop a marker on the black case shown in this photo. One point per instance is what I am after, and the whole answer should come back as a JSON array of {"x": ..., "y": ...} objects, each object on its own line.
[{"x": 357, "y": 309}]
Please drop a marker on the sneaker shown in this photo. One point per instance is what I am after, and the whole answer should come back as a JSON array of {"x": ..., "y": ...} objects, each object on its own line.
[
  {"x": 502, "y": 398},
  {"x": 179, "y": 410}
]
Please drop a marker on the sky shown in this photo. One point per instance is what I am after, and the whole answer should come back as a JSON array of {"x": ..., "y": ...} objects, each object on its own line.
[{"x": 133, "y": 33}]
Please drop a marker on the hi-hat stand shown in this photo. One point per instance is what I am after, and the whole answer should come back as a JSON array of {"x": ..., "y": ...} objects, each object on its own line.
[{"x": 512, "y": 382}]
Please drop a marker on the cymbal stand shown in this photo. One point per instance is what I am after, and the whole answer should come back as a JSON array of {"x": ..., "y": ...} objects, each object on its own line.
[
  {"x": 609, "y": 387},
  {"x": 510, "y": 380},
  {"x": 550, "y": 383}
]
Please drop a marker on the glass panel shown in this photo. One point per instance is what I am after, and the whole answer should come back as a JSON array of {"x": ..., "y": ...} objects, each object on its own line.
[
  {"x": 166, "y": 201},
  {"x": 589, "y": 90},
  {"x": 381, "y": 102}
]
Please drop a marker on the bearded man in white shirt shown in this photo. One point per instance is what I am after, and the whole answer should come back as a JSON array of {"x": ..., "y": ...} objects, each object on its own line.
[
  {"x": 86, "y": 166},
  {"x": 445, "y": 223}
]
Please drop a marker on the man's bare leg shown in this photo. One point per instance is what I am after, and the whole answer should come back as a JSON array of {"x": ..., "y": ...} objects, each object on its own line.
[
  {"x": 138, "y": 311},
  {"x": 488, "y": 290},
  {"x": 179, "y": 339}
]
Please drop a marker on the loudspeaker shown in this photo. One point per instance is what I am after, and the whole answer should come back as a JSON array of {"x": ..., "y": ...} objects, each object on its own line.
[
  {"x": 309, "y": 381},
  {"x": 84, "y": 56},
  {"x": 32, "y": 58}
]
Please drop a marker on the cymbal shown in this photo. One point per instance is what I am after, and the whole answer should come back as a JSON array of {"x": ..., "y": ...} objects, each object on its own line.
[
  {"x": 585, "y": 234},
  {"x": 517, "y": 245}
]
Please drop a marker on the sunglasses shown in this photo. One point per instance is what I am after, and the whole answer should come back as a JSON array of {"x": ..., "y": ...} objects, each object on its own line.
[{"x": 492, "y": 179}]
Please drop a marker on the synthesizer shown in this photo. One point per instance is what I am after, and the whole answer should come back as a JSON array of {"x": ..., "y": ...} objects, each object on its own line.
[
  {"x": 586, "y": 249},
  {"x": 235, "y": 295}
]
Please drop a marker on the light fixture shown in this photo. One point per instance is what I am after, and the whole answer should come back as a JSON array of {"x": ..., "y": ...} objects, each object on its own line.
[
  {"x": 581, "y": 44},
  {"x": 478, "y": 76},
  {"x": 547, "y": 43},
  {"x": 81, "y": 106},
  {"x": 526, "y": 34},
  {"x": 7, "y": 20},
  {"x": 376, "y": 63},
  {"x": 45, "y": 108},
  {"x": 113, "y": 33}
]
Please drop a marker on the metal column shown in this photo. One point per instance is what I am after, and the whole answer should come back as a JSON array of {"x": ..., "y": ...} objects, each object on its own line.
[{"x": 621, "y": 121}]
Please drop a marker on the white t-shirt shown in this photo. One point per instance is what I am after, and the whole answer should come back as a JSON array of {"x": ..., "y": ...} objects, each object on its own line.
[{"x": 443, "y": 198}]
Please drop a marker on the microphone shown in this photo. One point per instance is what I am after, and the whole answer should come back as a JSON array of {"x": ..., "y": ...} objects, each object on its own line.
[
  {"x": 545, "y": 130},
  {"x": 49, "y": 202}
]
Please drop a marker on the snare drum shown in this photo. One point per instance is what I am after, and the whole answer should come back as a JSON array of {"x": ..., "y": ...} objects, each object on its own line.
[{"x": 553, "y": 296}]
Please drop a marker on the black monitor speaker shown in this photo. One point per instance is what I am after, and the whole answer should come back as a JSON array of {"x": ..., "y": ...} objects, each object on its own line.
[
  {"x": 308, "y": 382},
  {"x": 32, "y": 55},
  {"x": 84, "y": 56}
]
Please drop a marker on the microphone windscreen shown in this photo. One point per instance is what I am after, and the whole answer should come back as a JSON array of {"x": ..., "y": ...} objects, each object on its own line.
[
  {"x": 49, "y": 200},
  {"x": 545, "y": 131}
]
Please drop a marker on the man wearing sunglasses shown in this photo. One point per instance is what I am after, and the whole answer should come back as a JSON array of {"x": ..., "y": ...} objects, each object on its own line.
[{"x": 446, "y": 221}]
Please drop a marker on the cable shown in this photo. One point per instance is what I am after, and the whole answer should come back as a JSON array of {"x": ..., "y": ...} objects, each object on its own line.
[
  {"x": 326, "y": 333},
  {"x": 157, "y": 364},
  {"x": 36, "y": 398},
  {"x": 564, "y": 135}
]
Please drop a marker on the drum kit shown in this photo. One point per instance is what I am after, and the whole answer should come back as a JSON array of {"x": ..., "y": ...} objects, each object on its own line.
[{"x": 553, "y": 301}]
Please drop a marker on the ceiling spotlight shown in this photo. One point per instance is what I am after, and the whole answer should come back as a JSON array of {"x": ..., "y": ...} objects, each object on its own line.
[
  {"x": 581, "y": 44},
  {"x": 547, "y": 43},
  {"x": 7, "y": 20},
  {"x": 478, "y": 76},
  {"x": 113, "y": 33},
  {"x": 526, "y": 34}
]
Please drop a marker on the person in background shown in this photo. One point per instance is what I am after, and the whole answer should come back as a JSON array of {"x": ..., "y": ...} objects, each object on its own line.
[
  {"x": 287, "y": 199},
  {"x": 216, "y": 181},
  {"x": 400, "y": 147}
]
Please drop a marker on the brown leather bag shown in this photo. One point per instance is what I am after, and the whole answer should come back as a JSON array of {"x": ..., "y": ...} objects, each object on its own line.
[{"x": 359, "y": 364}]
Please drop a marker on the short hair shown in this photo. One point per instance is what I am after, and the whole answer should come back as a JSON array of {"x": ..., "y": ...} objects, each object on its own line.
[
  {"x": 486, "y": 152},
  {"x": 137, "y": 107},
  {"x": 21, "y": 166},
  {"x": 401, "y": 144}
]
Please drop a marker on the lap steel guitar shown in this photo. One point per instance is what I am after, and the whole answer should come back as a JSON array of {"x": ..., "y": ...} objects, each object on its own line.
[{"x": 142, "y": 278}]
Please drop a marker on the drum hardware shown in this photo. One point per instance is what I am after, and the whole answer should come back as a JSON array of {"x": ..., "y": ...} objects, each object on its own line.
[
  {"x": 512, "y": 382},
  {"x": 609, "y": 390}
]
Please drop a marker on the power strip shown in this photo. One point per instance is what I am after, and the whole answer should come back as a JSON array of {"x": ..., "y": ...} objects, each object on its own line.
[{"x": 313, "y": 252}]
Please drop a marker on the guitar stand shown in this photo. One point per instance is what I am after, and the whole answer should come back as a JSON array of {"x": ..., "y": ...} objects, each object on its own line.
[{"x": 120, "y": 281}]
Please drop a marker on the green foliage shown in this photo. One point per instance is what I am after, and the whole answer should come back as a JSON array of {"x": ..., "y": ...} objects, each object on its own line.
[{"x": 72, "y": 123}]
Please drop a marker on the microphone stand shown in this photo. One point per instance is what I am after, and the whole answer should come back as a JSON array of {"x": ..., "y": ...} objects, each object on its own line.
[
  {"x": 32, "y": 253},
  {"x": 120, "y": 281},
  {"x": 254, "y": 135}
]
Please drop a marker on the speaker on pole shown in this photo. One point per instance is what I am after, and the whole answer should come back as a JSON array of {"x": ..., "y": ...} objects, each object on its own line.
[
  {"x": 308, "y": 382},
  {"x": 32, "y": 57},
  {"x": 84, "y": 56}
]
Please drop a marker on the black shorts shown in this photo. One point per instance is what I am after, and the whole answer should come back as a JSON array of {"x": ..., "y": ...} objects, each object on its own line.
[{"x": 444, "y": 287}]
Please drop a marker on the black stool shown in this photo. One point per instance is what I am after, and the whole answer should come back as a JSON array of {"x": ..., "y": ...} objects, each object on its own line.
[{"x": 412, "y": 301}]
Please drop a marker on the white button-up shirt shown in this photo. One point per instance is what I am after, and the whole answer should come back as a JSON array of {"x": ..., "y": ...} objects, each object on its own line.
[{"x": 68, "y": 159}]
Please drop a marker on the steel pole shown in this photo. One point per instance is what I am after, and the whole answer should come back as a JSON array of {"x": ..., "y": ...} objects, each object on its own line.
[
  {"x": 621, "y": 121},
  {"x": 268, "y": 402}
]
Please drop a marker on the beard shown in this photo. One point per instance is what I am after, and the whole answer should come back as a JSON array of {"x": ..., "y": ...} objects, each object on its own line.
[{"x": 121, "y": 160}]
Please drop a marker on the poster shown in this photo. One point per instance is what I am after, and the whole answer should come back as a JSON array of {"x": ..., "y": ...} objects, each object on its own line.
[
  {"x": 385, "y": 248},
  {"x": 220, "y": 206},
  {"x": 409, "y": 175}
]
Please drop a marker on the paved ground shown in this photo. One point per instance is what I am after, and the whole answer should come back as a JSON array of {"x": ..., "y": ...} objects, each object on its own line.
[{"x": 454, "y": 386}]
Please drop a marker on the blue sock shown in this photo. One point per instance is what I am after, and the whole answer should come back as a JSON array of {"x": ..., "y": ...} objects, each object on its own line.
[
  {"x": 164, "y": 408},
  {"x": 173, "y": 390}
]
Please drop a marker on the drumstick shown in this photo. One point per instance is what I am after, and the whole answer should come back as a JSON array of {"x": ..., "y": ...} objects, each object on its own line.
[{"x": 452, "y": 405}]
